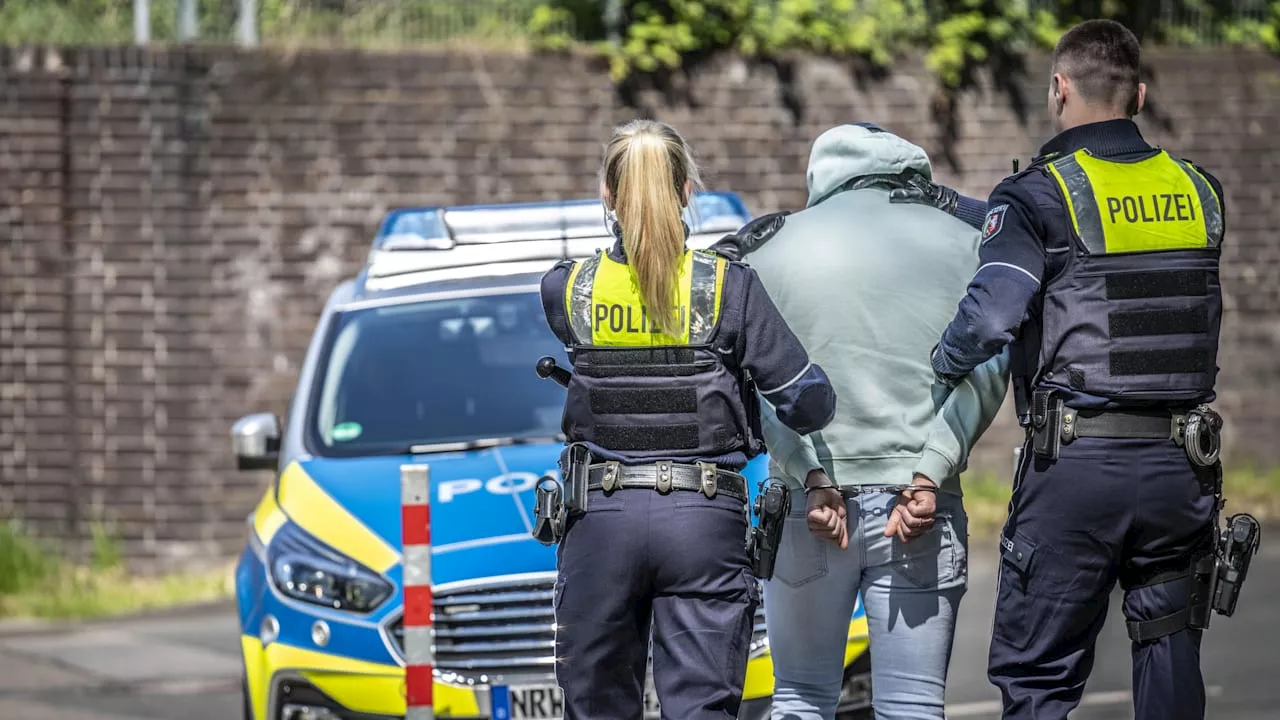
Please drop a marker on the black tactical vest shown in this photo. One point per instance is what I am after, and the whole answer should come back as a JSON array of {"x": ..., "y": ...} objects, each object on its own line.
[
  {"x": 1135, "y": 313},
  {"x": 644, "y": 395}
]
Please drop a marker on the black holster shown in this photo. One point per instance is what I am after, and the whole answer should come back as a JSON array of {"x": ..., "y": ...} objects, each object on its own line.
[
  {"x": 555, "y": 501},
  {"x": 772, "y": 506},
  {"x": 1217, "y": 575},
  {"x": 1046, "y": 424},
  {"x": 1236, "y": 547},
  {"x": 1219, "y": 570},
  {"x": 549, "y": 516}
]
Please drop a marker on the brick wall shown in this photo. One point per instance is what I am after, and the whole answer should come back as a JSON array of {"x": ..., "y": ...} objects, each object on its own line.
[{"x": 171, "y": 222}]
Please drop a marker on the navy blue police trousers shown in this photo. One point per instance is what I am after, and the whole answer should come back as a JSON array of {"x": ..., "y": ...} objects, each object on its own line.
[
  {"x": 676, "y": 564},
  {"x": 1105, "y": 508}
]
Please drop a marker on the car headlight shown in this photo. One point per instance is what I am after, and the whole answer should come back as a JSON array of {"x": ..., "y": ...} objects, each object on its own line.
[{"x": 306, "y": 569}]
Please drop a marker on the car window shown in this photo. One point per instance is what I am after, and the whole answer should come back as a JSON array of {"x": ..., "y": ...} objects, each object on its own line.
[{"x": 435, "y": 371}]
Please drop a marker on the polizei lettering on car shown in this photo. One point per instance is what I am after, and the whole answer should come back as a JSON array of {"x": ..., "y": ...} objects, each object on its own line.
[{"x": 512, "y": 483}]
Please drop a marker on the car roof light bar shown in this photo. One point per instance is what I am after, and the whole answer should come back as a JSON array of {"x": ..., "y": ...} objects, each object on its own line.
[{"x": 413, "y": 240}]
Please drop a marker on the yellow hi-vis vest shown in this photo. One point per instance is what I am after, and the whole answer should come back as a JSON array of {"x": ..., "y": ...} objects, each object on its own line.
[
  {"x": 1160, "y": 203},
  {"x": 605, "y": 309}
]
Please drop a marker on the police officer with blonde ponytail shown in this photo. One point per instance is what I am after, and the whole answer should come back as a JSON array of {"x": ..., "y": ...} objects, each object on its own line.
[{"x": 669, "y": 348}]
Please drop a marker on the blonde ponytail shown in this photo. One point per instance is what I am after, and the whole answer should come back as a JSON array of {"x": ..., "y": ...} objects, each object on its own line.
[{"x": 646, "y": 167}]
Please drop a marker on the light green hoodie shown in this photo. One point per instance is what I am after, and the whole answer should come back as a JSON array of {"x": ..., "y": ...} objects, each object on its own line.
[{"x": 868, "y": 287}]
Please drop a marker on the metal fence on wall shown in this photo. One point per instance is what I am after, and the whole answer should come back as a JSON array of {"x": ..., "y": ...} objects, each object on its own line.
[
  {"x": 1195, "y": 22},
  {"x": 390, "y": 24},
  {"x": 373, "y": 24}
]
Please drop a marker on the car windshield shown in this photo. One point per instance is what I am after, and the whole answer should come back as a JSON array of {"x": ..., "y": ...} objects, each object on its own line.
[{"x": 436, "y": 371}]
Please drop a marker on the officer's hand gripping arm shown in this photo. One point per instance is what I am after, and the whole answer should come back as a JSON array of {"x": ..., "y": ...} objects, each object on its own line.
[
  {"x": 920, "y": 190},
  {"x": 751, "y": 236}
]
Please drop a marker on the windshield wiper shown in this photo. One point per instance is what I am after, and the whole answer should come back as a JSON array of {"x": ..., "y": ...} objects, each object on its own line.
[{"x": 483, "y": 443}]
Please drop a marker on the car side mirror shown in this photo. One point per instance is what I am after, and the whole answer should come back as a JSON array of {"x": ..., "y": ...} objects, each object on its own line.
[{"x": 256, "y": 441}]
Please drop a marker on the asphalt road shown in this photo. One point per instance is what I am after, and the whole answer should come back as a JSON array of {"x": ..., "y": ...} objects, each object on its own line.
[{"x": 186, "y": 667}]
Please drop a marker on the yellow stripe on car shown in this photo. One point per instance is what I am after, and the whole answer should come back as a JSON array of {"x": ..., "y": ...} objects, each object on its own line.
[
  {"x": 319, "y": 514},
  {"x": 257, "y": 677},
  {"x": 759, "y": 680},
  {"x": 268, "y": 517},
  {"x": 379, "y": 689},
  {"x": 357, "y": 685}
]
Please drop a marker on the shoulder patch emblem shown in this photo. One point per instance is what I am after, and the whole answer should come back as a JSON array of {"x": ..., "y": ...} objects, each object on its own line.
[{"x": 994, "y": 222}]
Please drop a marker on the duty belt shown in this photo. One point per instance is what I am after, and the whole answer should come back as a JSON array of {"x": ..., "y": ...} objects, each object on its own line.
[
  {"x": 1158, "y": 425},
  {"x": 667, "y": 476},
  {"x": 1197, "y": 431}
]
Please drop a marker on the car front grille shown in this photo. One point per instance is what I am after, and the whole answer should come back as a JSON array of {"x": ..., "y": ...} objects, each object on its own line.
[{"x": 504, "y": 627}]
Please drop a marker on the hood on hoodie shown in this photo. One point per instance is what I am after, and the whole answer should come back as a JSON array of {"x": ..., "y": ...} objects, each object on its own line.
[{"x": 846, "y": 152}]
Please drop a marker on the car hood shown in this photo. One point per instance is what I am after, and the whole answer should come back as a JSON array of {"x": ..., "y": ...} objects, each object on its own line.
[{"x": 481, "y": 505}]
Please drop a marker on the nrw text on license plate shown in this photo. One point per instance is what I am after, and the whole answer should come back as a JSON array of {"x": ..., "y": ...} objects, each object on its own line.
[{"x": 544, "y": 702}]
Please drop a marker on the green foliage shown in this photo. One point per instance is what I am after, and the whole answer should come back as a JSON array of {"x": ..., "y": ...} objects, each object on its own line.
[
  {"x": 1270, "y": 33},
  {"x": 873, "y": 29},
  {"x": 105, "y": 551},
  {"x": 24, "y": 563},
  {"x": 65, "y": 21},
  {"x": 959, "y": 36},
  {"x": 1261, "y": 33},
  {"x": 664, "y": 34},
  {"x": 38, "y": 581},
  {"x": 971, "y": 33},
  {"x": 393, "y": 23},
  {"x": 332, "y": 23}
]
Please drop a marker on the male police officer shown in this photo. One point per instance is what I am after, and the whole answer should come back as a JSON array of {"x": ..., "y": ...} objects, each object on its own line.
[{"x": 1100, "y": 262}]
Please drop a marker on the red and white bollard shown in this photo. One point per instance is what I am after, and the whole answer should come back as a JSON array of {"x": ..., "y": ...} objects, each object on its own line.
[{"x": 419, "y": 635}]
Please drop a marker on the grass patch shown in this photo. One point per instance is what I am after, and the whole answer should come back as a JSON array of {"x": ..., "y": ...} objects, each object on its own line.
[
  {"x": 37, "y": 582},
  {"x": 986, "y": 502},
  {"x": 1247, "y": 490}
]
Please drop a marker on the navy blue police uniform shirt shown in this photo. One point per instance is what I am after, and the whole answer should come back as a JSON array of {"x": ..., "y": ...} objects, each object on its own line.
[
  {"x": 1026, "y": 238},
  {"x": 971, "y": 211},
  {"x": 752, "y": 336}
]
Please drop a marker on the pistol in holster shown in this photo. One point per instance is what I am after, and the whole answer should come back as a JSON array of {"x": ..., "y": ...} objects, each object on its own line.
[
  {"x": 773, "y": 503},
  {"x": 554, "y": 502},
  {"x": 1236, "y": 547},
  {"x": 1219, "y": 574}
]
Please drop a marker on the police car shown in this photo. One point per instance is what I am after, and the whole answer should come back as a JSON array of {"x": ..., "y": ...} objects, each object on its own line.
[{"x": 428, "y": 356}]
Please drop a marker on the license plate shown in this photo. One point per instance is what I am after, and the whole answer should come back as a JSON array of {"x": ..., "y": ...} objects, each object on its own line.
[{"x": 545, "y": 702}]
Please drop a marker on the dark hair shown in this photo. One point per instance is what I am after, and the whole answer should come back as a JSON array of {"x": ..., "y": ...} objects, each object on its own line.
[{"x": 1101, "y": 58}]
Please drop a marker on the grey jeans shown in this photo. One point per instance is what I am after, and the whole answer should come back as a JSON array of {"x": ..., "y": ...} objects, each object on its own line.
[{"x": 911, "y": 593}]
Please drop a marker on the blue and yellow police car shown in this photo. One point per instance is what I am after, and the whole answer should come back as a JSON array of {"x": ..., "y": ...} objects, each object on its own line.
[{"x": 427, "y": 356}]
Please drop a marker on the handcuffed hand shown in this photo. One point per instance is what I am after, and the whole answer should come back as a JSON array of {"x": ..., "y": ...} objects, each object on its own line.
[
  {"x": 913, "y": 515},
  {"x": 825, "y": 512},
  {"x": 751, "y": 236}
]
